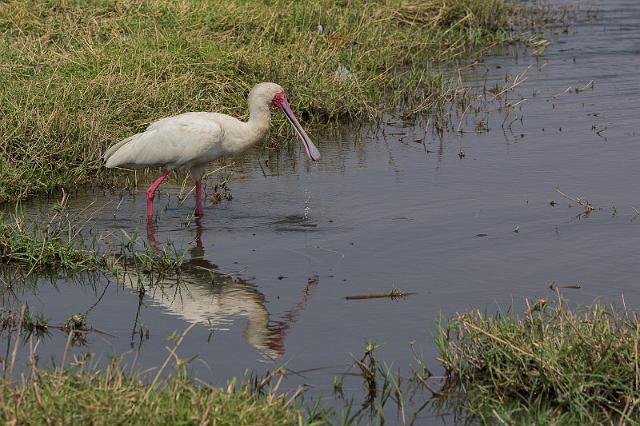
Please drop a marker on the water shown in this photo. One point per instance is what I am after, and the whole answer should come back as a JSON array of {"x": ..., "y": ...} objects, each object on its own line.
[{"x": 392, "y": 206}]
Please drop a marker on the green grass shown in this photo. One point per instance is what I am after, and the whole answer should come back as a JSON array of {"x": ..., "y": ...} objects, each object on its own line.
[
  {"x": 51, "y": 245},
  {"x": 552, "y": 365},
  {"x": 56, "y": 243},
  {"x": 77, "y": 76},
  {"x": 112, "y": 397}
]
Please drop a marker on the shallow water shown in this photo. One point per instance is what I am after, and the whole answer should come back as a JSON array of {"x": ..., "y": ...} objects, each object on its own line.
[{"x": 391, "y": 206}]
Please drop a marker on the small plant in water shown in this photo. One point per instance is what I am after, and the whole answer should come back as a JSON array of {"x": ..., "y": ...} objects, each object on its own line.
[
  {"x": 36, "y": 324},
  {"x": 221, "y": 191},
  {"x": 75, "y": 322},
  {"x": 148, "y": 259},
  {"x": 496, "y": 89},
  {"x": 481, "y": 125},
  {"x": 25, "y": 321},
  {"x": 76, "y": 326}
]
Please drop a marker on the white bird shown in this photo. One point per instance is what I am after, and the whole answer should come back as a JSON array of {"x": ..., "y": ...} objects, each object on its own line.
[{"x": 193, "y": 139}]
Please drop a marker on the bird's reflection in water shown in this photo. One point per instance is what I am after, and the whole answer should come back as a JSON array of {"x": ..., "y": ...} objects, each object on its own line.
[{"x": 201, "y": 294}]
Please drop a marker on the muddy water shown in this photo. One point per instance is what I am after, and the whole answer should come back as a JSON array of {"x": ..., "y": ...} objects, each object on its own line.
[{"x": 391, "y": 206}]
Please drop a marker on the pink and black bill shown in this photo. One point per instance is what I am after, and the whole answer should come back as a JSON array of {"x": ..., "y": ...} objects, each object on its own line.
[{"x": 280, "y": 100}]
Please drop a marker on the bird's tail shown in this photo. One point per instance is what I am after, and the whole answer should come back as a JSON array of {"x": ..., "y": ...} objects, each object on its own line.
[{"x": 115, "y": 147}]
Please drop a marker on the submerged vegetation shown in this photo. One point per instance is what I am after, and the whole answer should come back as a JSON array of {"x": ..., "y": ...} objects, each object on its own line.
[
  {"x": 76, "y": 77},
  {"x": 553, "y": 365}
]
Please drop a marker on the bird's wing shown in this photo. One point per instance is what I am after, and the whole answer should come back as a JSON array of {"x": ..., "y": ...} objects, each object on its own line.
[{"x": 172, "y": 142}]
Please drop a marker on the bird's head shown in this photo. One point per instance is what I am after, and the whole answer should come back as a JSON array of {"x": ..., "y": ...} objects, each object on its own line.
[{"x": 273, "y": 93}]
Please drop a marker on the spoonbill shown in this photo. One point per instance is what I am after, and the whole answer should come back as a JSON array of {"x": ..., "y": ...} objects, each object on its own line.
[{"x": 193, "y": 139}]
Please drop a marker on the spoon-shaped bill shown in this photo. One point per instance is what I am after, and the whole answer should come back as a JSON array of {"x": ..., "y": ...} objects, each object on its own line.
[{"x": 312, "y": 151}]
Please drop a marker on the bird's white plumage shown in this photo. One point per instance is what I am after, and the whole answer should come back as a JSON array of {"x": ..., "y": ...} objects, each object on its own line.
[{"x": 174, "y": 142}]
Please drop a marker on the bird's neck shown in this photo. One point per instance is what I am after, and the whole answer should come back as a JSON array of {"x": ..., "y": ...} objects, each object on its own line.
[
  {"x": 248, "y": 133},
  {"x": 259, "y": 120}
]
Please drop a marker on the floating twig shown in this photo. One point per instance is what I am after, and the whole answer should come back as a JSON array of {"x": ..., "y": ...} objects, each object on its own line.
[
  {"x": 554, "y": 286},
  {"x": 588, "y": 207},
  {"x": 393, "y": 294},
  {"x": 567, "y": 90},
  {"x": 517, "y": 81}
]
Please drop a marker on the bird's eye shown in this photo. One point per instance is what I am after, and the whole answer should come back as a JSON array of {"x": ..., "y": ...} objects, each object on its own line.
[{"x": 278, "y": 98}]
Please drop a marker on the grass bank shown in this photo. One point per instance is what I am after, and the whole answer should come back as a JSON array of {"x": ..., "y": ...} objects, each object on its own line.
[
  {"x": 112, "y": 397},
  {"x": 77, "y": 76},
  {"x": 81, "y": 389},
  {"x": 551, "y": 365}
]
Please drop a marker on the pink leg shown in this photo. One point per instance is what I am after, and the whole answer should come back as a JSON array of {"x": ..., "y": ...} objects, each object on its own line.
[
  {"x": 199, "y": 211},
  {"x": 152, "y": 191},
  {"x": 199, "y": 234},
  {"x": 151, "y": 236}
]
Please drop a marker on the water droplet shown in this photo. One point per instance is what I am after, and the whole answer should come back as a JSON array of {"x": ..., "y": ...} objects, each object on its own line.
[{"x": 307, "y": 201}]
